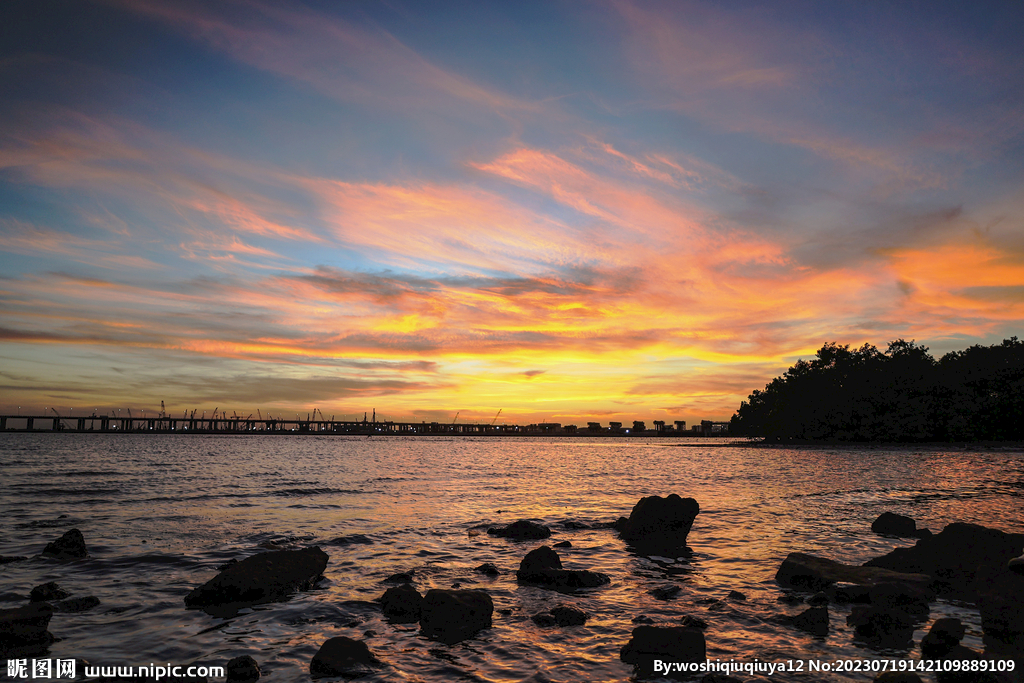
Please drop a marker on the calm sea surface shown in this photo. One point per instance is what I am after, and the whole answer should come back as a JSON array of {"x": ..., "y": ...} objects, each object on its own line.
[{"x": 160, "y": 513}]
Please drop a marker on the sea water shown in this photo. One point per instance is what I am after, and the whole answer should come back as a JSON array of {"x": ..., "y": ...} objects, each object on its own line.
[{"x": 161, "y": 513}]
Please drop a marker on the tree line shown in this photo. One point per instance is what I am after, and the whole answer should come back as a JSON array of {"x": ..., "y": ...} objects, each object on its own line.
[{"x": 903, "y": 394}]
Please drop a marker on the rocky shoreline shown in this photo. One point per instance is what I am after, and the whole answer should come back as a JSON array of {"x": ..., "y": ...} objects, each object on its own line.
[{"x": 889, "y": 596}]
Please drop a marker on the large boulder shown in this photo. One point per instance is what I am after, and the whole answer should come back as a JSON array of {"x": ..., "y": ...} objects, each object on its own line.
[
  {"x": 70, "y": 546},
  {"x": 955, "y": 556},
  {"x": 24, "y": 627},
  {"x": 882, "y": 627},
  {"x": 944, "y": 635},
  {"x": 809, "y": 572},
  {"x": 242, "y": 669},
  {"x": 657, "y": 522},
  {"x": 891, "y": 524},
  {"x": 651, "y": 647},
  {"x": 401, "y": 604},
  {"x": 262, "y": 578},
  {"x": 454, "y": 615},
  {"x": 543, "y": 566},
  {"x": 341, "y": 656},
  {"x": 523, "y": 530}
]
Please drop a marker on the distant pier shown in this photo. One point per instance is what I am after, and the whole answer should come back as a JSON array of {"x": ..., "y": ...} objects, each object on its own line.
[{"x": 106, "y": 424}]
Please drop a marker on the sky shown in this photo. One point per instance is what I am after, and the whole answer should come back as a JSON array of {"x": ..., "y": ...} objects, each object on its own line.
[{"x": 568, "y": 211}]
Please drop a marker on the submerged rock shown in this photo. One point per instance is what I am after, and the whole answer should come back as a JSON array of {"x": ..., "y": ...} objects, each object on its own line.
[
  {"x": 693, "y": 622},
  {"x": 657, "y": 522},
  {"x": 341, "y": 656},
  {"x": 454, "y": 615},
  {"x": 665, "y": 592},
  {"x": 563, "y": 616},
  {"x": 402, "y": 604},
  {"x": 543, "y": 566},
  {"x": 736, "y": 595},
  {"x": 354, "y": 539},
  {"x": 7, "y": 559},
  {"x": 400, "y": 577},
  {"x": 47, "y": 591},
  {"x": 70, "y": 546},
  {"x": 813, "y": 620},
  {"x": 523, "y": 530},
  {"x": 891, "y": 524},
  {"x": 563, "y": 544},
  {"x": 25, "y": 626},
  {"x": 665, "y": 643},
  {"x": 955, "y": 556},
  {"x": 261, "y": 578},
  {"x": 487, "y": 568},
  {"x": 809, "y": 572},
  {"x": 243, "y": 669}
]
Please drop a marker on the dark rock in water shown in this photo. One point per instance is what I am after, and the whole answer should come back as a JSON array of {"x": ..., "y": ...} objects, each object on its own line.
[
  {"x": 341, "y": 656},
  {"x": 523, "y": 530},
  {"x": 944, "y": 635},
  {"x": 813, "y": 620},
  {"x": 569, "y": 615},
  {"x": 676, "y": 644},
  {"x": 402, "y": 604},
  {"x": 666, "y": 592},
  {"x": 1016, "y": 565},
  {"x": 544, "y": 619},
  {"x": 70, "y": 546},
  {"x": 657, "y": 522},
  {"x": 7, "y": 559},
  {"x": 48, "y": 591},
  {"x": 848, "y": 592},
  {"x": 1001, "y": 602},
  {"x": 261, "y": 578},
  {"x": 810, "y": 572},
  {"x": 882, "y": 627},
  {"x": 487, "y": 568},
  {"x": 693, "y": 622},
  {"x": 911, "y": 599},
  {"x": 563, "y": 544},
  {"x": 354, "y": 539},
  {"x": 818, "y": 599},
  {"x": 736, "y": 595},
  {"x": 73, "y": 605},
  {"x": 891, "y": 524},
  {"x": 898, "y": 677},
  {"x": 543, "y": 566},
  {"x": 25, "y": 626},
  {"x": 643, "y": 619},
  {"x": 955, "y": 555},
  {"x": 243, "y": 669},
  {"x": 454, "y": 615},
  {"x": 400, "y": 577}
]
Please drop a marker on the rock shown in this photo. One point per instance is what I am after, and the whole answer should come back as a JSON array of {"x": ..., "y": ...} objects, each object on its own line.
[
  {"x": 674, "y": 644},
  {"x": 818, "y": 599},
  {"x": 848, "y": 592},
  {"x": 911, "y": 599},
  {"x": 402, "y": 604},
  {"x": 454, "y": 615},
  {"x": 569, "y": 615},
  {"x": 70, "y": 546},
  {"x": 665, "y": 592},
  {"x": 882, "y": 627},
  {"x": 543, "y": 566},
  {"x": 1016, "y": 565},
  {"x": 944, "y": 635},
  {"x": 523, "y": 530},
  {"x": 25, "y": 626},
  {"x": 891, "y": 524},
  {"x": 7, "y": 559},
  {"x": 810, "y": 572},
  {"x": 354, "y": 539},
  {"x": 261, "y": 578},
  {"x": 898, "y": 677},
  {"x": 657, "y": 522},
  {"x": 736, "y": 595},
  {"x": 487, "y": 568},
  {"x": 400, "y": 577},
  {"x": 563, "y": 544},
  {"x": 1000, "y": 603},
  {"x": 955, "y": 555},
  {"x": 813, "y": 620},
  {"x": 48, "y": 591},
  {"x": 73, "y": 605},
  {"x": 642, "y": 619},
  {"x": 341, "y": 656},
  {"x": 544, "y": 619},
  {"x": 243, "y": 669},
  {"x": 693, "y": 622}
]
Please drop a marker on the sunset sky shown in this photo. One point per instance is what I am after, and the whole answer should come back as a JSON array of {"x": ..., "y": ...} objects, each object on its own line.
[{"x": 569, "y": 211}]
